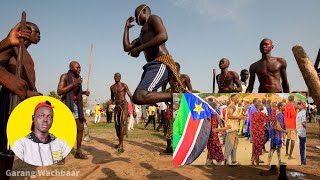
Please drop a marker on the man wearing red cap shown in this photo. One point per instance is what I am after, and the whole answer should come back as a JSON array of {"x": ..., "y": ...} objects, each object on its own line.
[{"x": 41, "y": 148}]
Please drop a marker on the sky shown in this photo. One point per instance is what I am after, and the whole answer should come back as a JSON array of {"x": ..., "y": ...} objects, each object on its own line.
[{"x": 200, "y": 33}]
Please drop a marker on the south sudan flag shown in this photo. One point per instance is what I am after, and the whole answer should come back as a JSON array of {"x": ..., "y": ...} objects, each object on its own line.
[{"x": 191, "y": 129}]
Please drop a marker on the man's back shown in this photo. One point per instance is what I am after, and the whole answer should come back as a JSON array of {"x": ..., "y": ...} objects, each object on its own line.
[
  {"x": 151, "y": 110},
  {"x": 290, "y": 116}
]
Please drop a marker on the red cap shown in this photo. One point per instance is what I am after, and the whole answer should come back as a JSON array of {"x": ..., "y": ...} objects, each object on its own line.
[{"x": 46, "y": 104}]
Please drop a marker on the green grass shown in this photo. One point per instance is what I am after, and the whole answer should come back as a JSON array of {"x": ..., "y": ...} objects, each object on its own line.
[{"x": 138, "y": 133}]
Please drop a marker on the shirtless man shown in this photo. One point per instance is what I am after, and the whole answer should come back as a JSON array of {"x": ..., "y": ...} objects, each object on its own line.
[
  {"x": 226, "y": 79},
  {"x": 70, "y": 87},
  {"x": 185, "y": 79},
  {"x": 160, "y": 65},
  {"x": 11, "y": 84},
  {"x": 118, "y": 96},
  {"x": 271, "y": 71}
]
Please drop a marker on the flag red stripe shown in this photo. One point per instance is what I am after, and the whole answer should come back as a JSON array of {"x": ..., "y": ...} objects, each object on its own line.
[{"x": 186, "y": 141}]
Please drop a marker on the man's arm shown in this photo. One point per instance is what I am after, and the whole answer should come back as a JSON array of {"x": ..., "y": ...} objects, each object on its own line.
[
  {"x": 108, "y": 103},
  {"x": 17, "y": 85},
  {"x": 63, "y": 88},
  {"x": 188, "y": 82},
  {"x": 127, "y": 46},
  {"x": 237, "y": 81},
  {"x": 252, "y": 79},
  {"x": 160, "y": 31},
  {"x": 13, "y": 37},
  {"x": 127, "y": 91},
  {"x": 283, "y": 72}
]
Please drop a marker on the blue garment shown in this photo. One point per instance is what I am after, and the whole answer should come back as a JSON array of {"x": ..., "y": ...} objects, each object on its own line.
[
  {"x": 154, "y": 76},
  {"x": 252, "y": 109},
  {"x": 302, "y": 141},
  {"x": 276, "y": 136}
]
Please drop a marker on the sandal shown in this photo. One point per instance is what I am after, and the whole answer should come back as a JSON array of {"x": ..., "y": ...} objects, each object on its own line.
[
  {"x": 166, "y": 152},
  {"x": 120, "y": 150},
  {"x": 80, "y": 156}
]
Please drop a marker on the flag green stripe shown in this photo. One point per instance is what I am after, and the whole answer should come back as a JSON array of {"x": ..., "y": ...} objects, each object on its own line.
[{"x": 180, "y": 121}]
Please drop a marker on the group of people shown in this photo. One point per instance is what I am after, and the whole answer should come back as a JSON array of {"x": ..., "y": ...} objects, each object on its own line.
[
  {"x": 280, "y": 122},
  {"x": 159, "y": 71}
]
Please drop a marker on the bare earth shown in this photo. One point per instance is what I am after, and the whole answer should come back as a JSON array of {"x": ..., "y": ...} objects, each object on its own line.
[{"x": 141, "y": 159}]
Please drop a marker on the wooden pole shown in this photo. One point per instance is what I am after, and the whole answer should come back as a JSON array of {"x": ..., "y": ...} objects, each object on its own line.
[
  {"x": 316, "y": 64},
  {"x": 309, "y": 73},
  {"x": 90, "y": 64},
  {"x": 15, "y": 100},
  {"x": 214, "y": 81}
]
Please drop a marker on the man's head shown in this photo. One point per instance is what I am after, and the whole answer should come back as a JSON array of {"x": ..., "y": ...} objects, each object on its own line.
[
  {"x": 266, "y": 46},
  {"x": 281, "y": 106},
  {"x": 244, "y": 74},
  {"x": 178, "y": 67},
  {"x": 42, "y": 118},
  {"x": 142, "y": 14},
  {"x": 234, "y": 98},
  {"x": 117, "y": 77},
  {"x": 75, "y": 68},
  {"x": 213, "y": 105},
  {"x": 290, "y": 99},
  {"x": 264, "y": 102},
  {"x": 35, "y": 33},
  {"x": 224, "y": 63},
  {"x": 255, "y": 101},
  {"x": 259, "y": 106},
  {"x": 269, "y": 102}
]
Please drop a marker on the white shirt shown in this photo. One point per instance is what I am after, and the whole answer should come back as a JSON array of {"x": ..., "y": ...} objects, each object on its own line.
[
  {"x": 301, "y": 117},
  {"x": 162, "y": 105},
  {"x": 40, "y": 154},
  {"x": 244, "y": 87}
]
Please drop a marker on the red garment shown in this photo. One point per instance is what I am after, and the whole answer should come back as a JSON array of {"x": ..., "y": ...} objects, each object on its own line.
[
  {"x": 257, "y": 129},
  {"x": 168, "y": 114},
  {"x": 290, "y": 116},
  {"x": 213, "y": 145}
]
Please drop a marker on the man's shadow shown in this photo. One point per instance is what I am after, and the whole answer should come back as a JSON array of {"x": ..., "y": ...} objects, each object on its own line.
[{"x": 162, "y": 174}]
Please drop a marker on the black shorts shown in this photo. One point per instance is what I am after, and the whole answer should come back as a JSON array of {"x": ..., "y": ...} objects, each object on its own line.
[{"x": 154, "y": 76}]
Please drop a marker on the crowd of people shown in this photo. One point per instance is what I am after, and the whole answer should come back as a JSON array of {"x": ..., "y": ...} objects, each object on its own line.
[{"x": 259, "y": 121}]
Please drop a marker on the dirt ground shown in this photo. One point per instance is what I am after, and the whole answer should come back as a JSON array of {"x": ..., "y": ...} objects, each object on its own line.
[
  {"x": 141, "y": 159},
  {"x": 244, "y": 154}
]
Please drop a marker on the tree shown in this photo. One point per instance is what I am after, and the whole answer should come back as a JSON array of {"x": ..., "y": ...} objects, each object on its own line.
[{"x": 54, "y": 95}]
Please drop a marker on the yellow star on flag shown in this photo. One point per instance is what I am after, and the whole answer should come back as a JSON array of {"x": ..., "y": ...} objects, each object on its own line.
[{"x": 198, "y": 108}]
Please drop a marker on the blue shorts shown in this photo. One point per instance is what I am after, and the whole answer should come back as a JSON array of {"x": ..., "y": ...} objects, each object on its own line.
[{"x": 154, "y": 76}]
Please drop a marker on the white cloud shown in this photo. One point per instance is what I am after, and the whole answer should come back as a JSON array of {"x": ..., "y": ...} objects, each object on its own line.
[{"x": 213, "y": 10}]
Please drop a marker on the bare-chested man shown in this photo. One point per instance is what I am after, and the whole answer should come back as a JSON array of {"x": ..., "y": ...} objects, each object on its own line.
[
  {"x": 160, "y": 65},
  {"x": 118, "y": 96},
  {"x": 185, "y": 79},
  {"x": 70, "y": 86},
  {"x": 227, "y": 79},
  {"x": 271, "y": 71},
  {"x": 272, "y": 76},
  {"x": 11, "y": 84}
]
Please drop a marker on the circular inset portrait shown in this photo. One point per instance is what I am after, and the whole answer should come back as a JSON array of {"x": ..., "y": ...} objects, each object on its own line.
[{"x": 41, "y": 131}]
